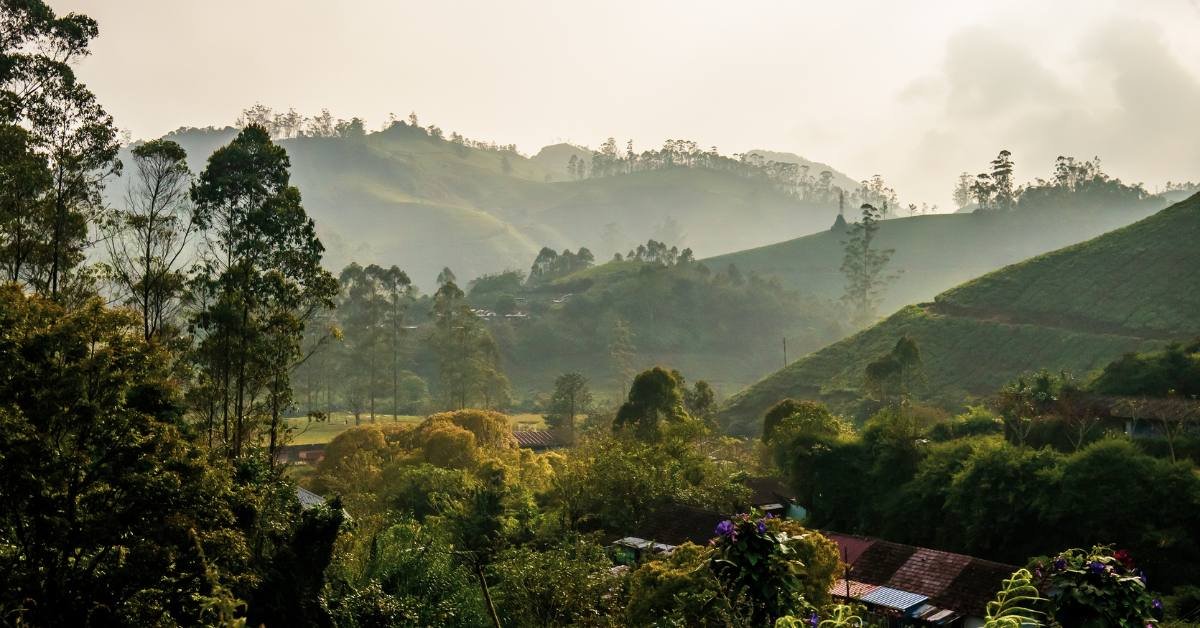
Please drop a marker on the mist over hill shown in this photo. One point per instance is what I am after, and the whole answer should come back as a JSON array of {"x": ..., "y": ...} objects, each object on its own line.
[
  {"x": 407, "y": 196},
  {"x": 1074, "y": 309},
  {"x": 936, "y": 252}
]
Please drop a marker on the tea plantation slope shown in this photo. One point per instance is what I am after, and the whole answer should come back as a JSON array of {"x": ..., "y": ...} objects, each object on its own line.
[{"x": 1076, "y": 309}]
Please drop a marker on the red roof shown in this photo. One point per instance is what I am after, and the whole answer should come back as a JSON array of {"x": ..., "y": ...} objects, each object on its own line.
[
  {"x": 537, "y": 439},
  {"x": 929, "y": 570},
  {"x": 851, "y": 547},
  {"x": 952, "y": 581},
  {"x": 857, "y": 589}
]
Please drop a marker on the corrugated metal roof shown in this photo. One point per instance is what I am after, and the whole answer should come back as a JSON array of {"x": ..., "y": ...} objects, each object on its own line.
[
  {"x": 894, "y": 598},
  {"x": 308, "y": 499},
  {"x": 944, "y": 617}
]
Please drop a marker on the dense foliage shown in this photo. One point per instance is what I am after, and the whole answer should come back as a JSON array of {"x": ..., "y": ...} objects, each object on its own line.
[
  {"x": 141, "y": 449},
  {"x": 905, "y": 480}
]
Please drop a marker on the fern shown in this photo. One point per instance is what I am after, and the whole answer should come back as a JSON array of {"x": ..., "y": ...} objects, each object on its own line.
[
  {"x": 842, "y": 616},
  {"x": 1015, "y": 604}
]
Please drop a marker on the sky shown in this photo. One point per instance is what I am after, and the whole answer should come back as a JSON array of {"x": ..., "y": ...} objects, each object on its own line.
[{"x": 914, "y": 91}]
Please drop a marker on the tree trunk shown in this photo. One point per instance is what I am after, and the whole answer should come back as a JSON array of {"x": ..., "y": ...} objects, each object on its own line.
[
  {"x": 487, "y": 595},
  {"x": 274, "y": 422}
]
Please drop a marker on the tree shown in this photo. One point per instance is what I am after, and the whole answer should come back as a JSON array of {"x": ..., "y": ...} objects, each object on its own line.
[
  {"x": 259, "y": 281},
  {"x": 800, "y": 433},
  {"x": 37, "y": 50},
  {"x": 863, "y": 266},
  {"x": 891, "y": 377},
  {"x": 25, "y": 217},
  {"x": 571, "y": 397},
  {"x": 655, "y": 398},
  {"x": 398, "y": 290},
  {"x": 362, "y": 308},
  {"x": 478, "y": 529},
  {"x": 468, "y": 357},
  {"x": 962, "y": 190},
  {"x": 57, "y": 145},
  {"x": 700, "y": 401},
  {"x": 983, "y": 190},
  {"x": 112, "y": 515},
  {"x": 80, "y": 142},
  {"x": 1026, "y": 402},
  {"x": 1002, "y": 181},
  {"x": 148, "y": 240},
  {"x": 564, "y": 585}
]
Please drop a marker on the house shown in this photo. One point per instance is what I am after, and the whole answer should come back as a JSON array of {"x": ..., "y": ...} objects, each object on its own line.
[
  {"x": 909, "y": 585},
  {"x": 1149, "y": 417},
  {"x": 770, "y": 495},
  {"x": 675, "y": 524},
  {"x": 538, "y": 440},
  {"x": 301, "y": 454},
  {"x": 901, "y": 584},
  {"x": 666, "y": 528}
]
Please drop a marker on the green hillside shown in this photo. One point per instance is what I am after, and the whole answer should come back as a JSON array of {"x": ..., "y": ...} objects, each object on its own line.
[
  {"x": 936, "y": 252},
  {"x": 1076, "y": 309},
  {"x": 403, "y": 197}
]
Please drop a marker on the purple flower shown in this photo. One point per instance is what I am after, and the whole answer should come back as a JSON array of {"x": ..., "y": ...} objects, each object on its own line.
[
  {"x": 1156, "y": 604},
  {"x": 768, "y": 516},
  {"x": 813, "y": 620},
  {"x": 725, "y": 528},
  {"x": 1096, "y": 567},
  {"x": 1060, "y": 564},
  {"x": 762, "y": 527}
]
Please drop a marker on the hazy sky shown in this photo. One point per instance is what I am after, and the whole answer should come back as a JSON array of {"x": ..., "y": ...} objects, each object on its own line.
[{"x": 915, "y": 91}]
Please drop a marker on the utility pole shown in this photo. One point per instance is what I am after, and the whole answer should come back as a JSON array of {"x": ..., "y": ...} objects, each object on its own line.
[{"x": 785, "y": 362}]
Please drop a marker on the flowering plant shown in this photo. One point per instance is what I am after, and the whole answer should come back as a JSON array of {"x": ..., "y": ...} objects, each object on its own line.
[
  {"x": 757, "y": 566},
  {"x": 1098, "y": 587}
]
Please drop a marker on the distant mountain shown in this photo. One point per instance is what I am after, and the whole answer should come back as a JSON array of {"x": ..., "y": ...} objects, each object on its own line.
[
  {"x": 1076, "y": 308},
  {"x": 936, "y": 252},
  {"x": 555, "y": 157},
  {"x": 403, "y": 197},
  {"x": 815, "y": 168}
]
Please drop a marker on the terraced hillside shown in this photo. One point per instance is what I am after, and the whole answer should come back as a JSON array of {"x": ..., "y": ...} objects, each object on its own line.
[
  {"x": 403, "y": 197},
  {"x": 1075, "y": 308},
  {"x": 936, "y": 252}
]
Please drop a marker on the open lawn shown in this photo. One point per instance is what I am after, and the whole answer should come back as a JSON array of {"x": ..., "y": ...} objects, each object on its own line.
[{"x": 308, "y": 432}]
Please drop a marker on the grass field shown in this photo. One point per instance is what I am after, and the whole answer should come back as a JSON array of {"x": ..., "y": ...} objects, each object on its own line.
[
  {"x": 1075, "y": 309},
  {"x": 306, "y": 432}
]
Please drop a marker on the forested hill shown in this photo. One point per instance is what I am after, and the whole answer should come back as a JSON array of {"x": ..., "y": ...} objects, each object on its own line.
[
  {"x": 1076, "y": 309},
  {"x": 407, "y": 196},
  {"x": 936, "y": 252}
]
